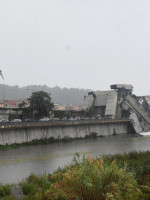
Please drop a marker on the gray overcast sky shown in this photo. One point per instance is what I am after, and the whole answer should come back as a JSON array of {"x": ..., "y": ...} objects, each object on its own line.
[{"x": 76, "y": 43}]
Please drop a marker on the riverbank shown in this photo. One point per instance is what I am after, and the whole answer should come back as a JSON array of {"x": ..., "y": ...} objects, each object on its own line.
[
  {"x": 120, "y": 176},
  {"x": 18, "y": 163},
  {"x": 46, "y": 141}
]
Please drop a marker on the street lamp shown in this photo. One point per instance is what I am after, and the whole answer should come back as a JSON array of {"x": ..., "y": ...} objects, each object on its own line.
[{"x": 32, "y": 102}]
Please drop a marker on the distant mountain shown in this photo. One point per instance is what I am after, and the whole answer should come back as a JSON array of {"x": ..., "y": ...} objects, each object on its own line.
[{"x": 59, "y": 95}]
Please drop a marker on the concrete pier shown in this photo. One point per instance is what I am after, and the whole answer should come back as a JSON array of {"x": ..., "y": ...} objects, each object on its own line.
[{"x": 26, "y": 132}]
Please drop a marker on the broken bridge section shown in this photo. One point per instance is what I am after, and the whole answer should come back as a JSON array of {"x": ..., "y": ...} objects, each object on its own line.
[
  {"x": 120, "y": 103},
  {"x": 134, "y": 107}
]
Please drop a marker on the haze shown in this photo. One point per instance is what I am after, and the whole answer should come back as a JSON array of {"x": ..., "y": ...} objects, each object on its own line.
[{"x": 75, "y": 43}]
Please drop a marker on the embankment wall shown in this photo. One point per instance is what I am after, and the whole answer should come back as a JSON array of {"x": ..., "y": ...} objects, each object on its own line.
[{"x": 10, "y": 134}]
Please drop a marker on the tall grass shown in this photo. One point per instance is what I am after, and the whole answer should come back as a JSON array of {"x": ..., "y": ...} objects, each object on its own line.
[
  {"x": 45, "y": 141},
  {"x": 91, "y": 179},
  {"x": 5, "y": 190},
  {"x": 140, "y": 163},
  {"x": 115, "y": 177}
]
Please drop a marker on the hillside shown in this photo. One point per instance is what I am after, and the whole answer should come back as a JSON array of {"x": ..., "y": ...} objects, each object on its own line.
[{"x": 59, "y": 95}]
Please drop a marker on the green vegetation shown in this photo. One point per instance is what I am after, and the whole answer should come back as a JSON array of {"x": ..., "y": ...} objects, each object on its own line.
[
  {"x": 61, "y": 114},
  {"x": 45, "y": 141},
  {"x": 41, "y": 104},
  {"x": 65, "y": 96},
  {"x": 92, "y": 179},
  {"x": 5, "y": 190},
  {"x": 113, "y": 177},
  {"x": 9, "y": 198},
  {"x": 37, "y": 142}
]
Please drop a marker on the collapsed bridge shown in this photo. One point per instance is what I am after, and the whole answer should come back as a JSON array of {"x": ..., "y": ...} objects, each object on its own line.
[{"x": 119, "y": 103}]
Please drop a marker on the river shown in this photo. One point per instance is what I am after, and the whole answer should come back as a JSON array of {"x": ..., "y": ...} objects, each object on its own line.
[{"x": 17, "y": 164}]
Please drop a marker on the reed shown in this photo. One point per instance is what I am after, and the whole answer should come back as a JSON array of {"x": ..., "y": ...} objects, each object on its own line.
[{"x": 93, "y": 179}]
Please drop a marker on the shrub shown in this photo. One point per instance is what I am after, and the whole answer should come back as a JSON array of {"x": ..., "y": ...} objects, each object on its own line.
[
  {"x": 29, "y": 188},
  {"x": 33, "y": 179},
  {"x": 34, "y": 187},
  {"x": 93, "y": 179},
  {"x": 8, "y": 198},
  {"x": 5, "y": 190}
]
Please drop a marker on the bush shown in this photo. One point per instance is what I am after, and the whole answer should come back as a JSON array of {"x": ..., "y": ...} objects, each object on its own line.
[
  {"x": 93, "y": 179},
  {"x": 29, "y": 188},
  {"x": 34, "y": 187},
  {"x": 33, "y": 179},
  {"x": 8, "y": 198},
  {"x": 5, "y": 190}
]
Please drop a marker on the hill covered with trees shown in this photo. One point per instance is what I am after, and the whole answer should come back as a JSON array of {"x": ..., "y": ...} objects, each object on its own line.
[{"x": 74, "y": 96}]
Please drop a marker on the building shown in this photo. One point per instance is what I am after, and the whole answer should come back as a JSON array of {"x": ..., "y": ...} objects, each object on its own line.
[
  {"x": 67, "y": 107},
  {"x": 103, "y": 103},
  {"x": 13, "y": 103}
]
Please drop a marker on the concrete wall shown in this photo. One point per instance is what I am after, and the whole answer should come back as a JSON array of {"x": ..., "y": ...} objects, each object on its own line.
[{"x": 26, "y": 134}]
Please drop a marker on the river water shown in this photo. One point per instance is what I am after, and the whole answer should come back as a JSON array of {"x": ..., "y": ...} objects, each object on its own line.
[{"x": 17, "y": 164}]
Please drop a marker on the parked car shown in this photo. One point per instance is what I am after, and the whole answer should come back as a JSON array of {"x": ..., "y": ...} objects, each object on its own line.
[
  {"x": 4, "y": 120},
  {"x": 71, "y": 119},
  {"x": 65, "y": 119},
  {"x": 45, "y": 119},
  {"x": 16, "y": 120},
  {"x": 87, "y": 118},
  {"x": 56, "y": 119}
]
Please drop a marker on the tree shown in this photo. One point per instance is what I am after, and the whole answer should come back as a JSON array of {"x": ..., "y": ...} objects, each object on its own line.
[
  {"x": 22, "y": 105},
  {"x": 41, "y": 104}
]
